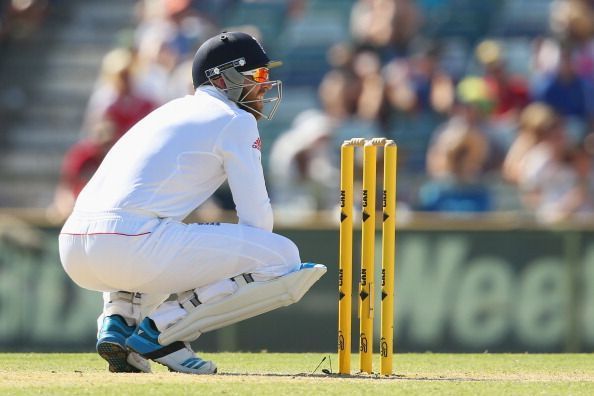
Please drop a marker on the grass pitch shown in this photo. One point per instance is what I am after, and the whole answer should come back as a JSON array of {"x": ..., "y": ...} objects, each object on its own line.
[{"x": 305, "y": 374}]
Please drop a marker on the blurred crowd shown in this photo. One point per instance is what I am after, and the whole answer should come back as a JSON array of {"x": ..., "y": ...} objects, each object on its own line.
[
  {"x": 461, "y": 127},
  {"x": 21, "y": 18},
  {"x": 466, "y": 135},
  {"x": 148, "y": 66}
]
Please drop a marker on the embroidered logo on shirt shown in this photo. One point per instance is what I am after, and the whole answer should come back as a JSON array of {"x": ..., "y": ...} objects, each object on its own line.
[{"x": 257, "y": 144}]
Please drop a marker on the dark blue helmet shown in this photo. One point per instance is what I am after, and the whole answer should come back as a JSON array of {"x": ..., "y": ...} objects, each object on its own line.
[
  {"x": 225, "y": 48},
  {"x": 231, "y": 56}
]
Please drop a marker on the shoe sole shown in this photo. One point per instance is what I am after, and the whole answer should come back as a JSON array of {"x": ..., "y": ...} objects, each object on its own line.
[
  {"x": 117, "y": 357},
  {"x": 169, "y": 368},
  {"x": 182, "y": 372}
]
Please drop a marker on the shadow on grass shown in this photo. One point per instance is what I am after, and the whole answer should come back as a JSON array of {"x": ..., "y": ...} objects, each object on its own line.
[{"x": 377, "y": 377}]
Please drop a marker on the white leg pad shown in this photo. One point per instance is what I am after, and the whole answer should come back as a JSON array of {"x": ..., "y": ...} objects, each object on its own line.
[
  {"x": 249, "y": 300},
  {"x": 133, "y": 307}
]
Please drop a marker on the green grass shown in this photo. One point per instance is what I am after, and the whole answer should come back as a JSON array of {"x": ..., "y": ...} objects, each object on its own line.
[{"x": 296, "y": 374}]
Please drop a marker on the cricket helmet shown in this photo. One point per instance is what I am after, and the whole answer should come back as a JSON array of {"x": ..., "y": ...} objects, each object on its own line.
[{"x": 232, "y": 56}]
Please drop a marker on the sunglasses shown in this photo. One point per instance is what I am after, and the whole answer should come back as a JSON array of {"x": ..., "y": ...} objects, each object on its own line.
[{"x": 259, "y": 75}]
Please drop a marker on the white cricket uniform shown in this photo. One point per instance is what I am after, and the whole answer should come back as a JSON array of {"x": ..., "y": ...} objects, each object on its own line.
[{"x": 125, "y": 232}]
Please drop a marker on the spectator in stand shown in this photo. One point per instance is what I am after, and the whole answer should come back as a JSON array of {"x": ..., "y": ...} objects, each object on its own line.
[
  {"x": 569, "y": 94},
  {"x": 474, "y": 103},
  {"x": 189, "y": 26},
  {"x": 127, "y": 107},
  {"x": 419, "y": 85},
  {"x": 371, "y": 101},
  {"x": 174, "y": 22},
  {"x": 553, "y": 177},
  {"x": 79, "y": 164},
  {"x": 117, "y": 96},
  {"x": 339, "y": 93},
  {"x": 545, "y": 58},
  {"x": 535, "y": 122},
  {"x": 420, "y": 94},
  {"x": 154, "y": 57},
  {"x": 578, "y": 204},
  {"x": 303, "y": 170},
  {"x": 352, "y": 94},
  {"x": 460, "y": 153},
  {"x": 303, "y": 159},
  {"x": 178, "y": 84},
  {"x": 456, "y": 161},
  {"x": 585, "y": 169},
  {"x": 386, "y": 26},
  {"x": 19, "y": 19},
  {"x": 572, "y": 21},
  {"x": 155, "y": 62},
  {"x": 510, "y": 92}
]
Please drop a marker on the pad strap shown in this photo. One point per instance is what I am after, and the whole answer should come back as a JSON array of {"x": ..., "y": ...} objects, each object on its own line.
[
  {"x": 129, "y": 297},
  {"x": 189, "y": 300},
  {"x": 166, "y": 350},
  {"x": 243, "y": 279}
]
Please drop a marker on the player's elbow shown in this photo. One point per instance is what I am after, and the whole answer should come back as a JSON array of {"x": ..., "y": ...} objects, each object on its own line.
[
  {"x": 267, "y": 222},
  {"x": 263, "y": 220}
]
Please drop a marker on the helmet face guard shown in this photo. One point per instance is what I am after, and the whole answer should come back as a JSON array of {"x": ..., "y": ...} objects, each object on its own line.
[{"x": 235, "y": 82}]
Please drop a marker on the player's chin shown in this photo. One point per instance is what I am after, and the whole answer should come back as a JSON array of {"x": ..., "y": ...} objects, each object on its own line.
[{"x": 254, "y": 109}]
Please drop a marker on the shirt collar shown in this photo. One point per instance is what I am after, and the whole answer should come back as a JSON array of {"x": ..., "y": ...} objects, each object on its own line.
[{"x": 214, "y": 92}]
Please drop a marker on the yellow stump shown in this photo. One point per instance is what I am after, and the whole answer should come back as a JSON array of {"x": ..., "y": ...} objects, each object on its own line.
[
  {"x": 366, "y": 296},
  {"x": 388, "y": 258},
  {"x": 345, "y": 265}
]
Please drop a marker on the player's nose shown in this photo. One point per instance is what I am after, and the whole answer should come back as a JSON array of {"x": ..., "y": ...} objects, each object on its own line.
[{"x": 265, "y": 87}]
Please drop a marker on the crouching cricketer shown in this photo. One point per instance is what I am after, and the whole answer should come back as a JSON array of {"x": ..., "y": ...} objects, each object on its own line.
[{"x": 125, "y": 237}]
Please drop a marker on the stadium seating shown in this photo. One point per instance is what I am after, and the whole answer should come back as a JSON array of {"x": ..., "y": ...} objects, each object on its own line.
[
  {"x": 45, "y": 82},
  {"x": 52, "y": 73}
]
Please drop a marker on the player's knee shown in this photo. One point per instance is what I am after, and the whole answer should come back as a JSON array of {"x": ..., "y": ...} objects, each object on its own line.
[{"x": 290, "y": 253}]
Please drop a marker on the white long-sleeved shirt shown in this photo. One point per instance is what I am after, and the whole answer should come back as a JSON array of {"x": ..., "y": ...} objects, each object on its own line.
[{"x": 174, "y": 159}]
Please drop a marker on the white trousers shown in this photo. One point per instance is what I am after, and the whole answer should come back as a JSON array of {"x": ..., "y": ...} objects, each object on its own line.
[{"x": 112, "y": 252}]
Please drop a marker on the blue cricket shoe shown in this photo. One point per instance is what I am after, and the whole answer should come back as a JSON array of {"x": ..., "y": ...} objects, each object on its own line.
[
  {"x": 178, "y": 356},
  {"x": 111, "y": 346}
]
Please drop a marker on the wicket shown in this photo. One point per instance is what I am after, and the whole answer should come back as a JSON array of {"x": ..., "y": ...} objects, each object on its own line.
[{"x": 366, "y": 284}]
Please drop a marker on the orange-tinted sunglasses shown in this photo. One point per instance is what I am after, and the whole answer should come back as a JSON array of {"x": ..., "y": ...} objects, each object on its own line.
[{"x": 259, "y": 75}]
